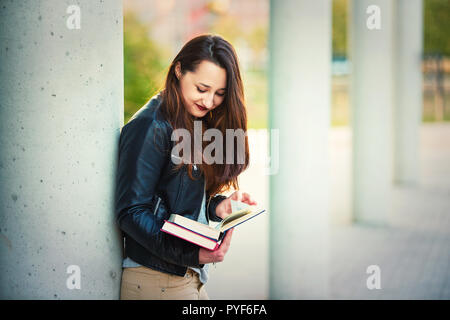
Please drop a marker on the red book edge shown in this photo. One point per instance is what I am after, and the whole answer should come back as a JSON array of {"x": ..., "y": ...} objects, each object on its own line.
[{"x": 178, "y": 236}]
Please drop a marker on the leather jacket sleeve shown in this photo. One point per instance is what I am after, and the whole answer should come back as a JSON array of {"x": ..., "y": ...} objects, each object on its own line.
[
  {"x": 144, "y": 150},
  {"x": 211, "y": 207}
]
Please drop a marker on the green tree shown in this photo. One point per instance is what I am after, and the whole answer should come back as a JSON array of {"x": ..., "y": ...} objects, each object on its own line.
[
  {"x": 436, "y": 26},
  {"x": 144, "y": 65},
  {"x": 339, "y": 27}
]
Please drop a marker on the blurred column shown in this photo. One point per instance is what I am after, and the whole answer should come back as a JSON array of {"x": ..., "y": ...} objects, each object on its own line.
[
  {"x": 371, "y": 55},
  {"x": 408, "y": 117},
  {"x": 300, "y": 77},
  {"x": 61, "y": 109}
]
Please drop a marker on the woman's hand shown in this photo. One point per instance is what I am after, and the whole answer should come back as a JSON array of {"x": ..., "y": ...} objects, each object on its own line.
[
  {"x": 224, "y": 207},
  {"x": 208, "y": 256}
]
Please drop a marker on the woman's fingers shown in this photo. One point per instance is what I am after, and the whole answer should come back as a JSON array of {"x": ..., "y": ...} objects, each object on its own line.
[
  {"x": 247, "y": 198},
  {"x": 243, "y": 197},
  {"x": 219, "y": 254},
  {"x": 228, "y": 236},
  {"x": 227, "y": 239}
]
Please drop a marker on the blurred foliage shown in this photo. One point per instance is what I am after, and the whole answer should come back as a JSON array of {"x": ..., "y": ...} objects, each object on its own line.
[
  {"x": 437, "y": 26},
  {"x": 339, "y": 27},
  {"x": 254, "y": 73},
  {"x": 227, "y": 27},
  {"x": 145, "y": 64},
  {"x": 257, "y": 39}
]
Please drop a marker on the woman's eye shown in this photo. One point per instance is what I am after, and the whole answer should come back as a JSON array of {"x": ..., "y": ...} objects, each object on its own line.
[{"x": 202, "y": 91}]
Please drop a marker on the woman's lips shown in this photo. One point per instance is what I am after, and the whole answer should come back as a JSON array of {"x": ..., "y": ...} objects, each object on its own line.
[{"x": 201, "y": 108}]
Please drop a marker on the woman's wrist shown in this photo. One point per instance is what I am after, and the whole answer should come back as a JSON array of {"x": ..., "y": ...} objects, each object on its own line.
[
  {"x": 212, "y": 207},
  {"x": 223, "y": 208}
]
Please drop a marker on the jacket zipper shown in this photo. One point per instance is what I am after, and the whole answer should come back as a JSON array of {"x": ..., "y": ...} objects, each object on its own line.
[{"x": 157, "y": 206}]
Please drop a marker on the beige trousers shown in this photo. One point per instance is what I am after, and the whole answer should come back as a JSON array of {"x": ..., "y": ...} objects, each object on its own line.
[{"x": 143, "y": 283}]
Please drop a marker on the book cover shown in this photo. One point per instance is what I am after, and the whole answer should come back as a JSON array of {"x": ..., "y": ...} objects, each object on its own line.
[
  {"x": 188, "y": 235},
  {"x": 205, "y": 235}
]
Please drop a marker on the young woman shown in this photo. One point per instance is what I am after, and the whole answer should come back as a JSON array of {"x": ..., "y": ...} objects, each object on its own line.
[{"x": 203, "y": 84}]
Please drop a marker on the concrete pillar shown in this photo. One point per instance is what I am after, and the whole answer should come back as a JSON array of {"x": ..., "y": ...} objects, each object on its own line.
[
  {"x": 300, "y": 76},
  {"x": 372, "y": 91},
  {"x": 408, "y": 76},
  {"x": 61, "y": 110}
]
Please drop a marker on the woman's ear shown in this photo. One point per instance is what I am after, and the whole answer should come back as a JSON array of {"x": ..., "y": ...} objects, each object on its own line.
[{"x": 178, "y": 70}]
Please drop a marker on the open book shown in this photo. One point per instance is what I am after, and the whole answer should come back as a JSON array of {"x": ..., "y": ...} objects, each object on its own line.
[{"x": 204, "y": 235}]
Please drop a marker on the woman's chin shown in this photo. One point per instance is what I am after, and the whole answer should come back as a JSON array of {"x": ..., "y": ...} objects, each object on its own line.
[{"x": 198, "y": 114}]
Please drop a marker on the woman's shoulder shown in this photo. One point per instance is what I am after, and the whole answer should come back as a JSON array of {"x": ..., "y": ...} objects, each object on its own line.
[
  {"x": 150, "y": 113},
  {"x": 151, "y": 109}
]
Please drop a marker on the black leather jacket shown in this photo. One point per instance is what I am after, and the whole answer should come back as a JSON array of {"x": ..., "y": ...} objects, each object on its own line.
[{"x": 147, "y": 192}]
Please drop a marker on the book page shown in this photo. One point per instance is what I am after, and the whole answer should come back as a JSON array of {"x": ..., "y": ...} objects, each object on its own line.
[
  {"x": 240, "y": 219},
  {"x": 234, "y": 216},
  {"x": 238, "y": 206},
  {"x": 238, "y": 210}
]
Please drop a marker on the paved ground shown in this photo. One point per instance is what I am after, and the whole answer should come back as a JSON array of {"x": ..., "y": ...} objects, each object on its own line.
[{"x": 412, "y": 252}]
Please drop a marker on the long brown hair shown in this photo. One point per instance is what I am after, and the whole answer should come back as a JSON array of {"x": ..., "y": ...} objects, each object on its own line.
[{"x": 230, "y": 114}]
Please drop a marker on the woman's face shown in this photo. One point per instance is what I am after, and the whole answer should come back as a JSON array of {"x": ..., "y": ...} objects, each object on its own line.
[{"x": 204, "y": 89}]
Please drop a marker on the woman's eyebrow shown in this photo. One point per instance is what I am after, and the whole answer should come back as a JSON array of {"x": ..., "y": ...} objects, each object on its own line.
[{"x": 209, "y": 86}]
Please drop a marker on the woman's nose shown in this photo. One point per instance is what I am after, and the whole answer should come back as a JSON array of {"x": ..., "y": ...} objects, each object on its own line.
[{"x": 208, "y": 101}]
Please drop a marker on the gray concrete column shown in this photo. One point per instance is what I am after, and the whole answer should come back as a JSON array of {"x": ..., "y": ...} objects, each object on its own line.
[
  {"x": 300, "y": 76},
  {"x": 61, "y": 110},
  {"x": 408, "y": 76},
  {"x": 372, "y": 91}
]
